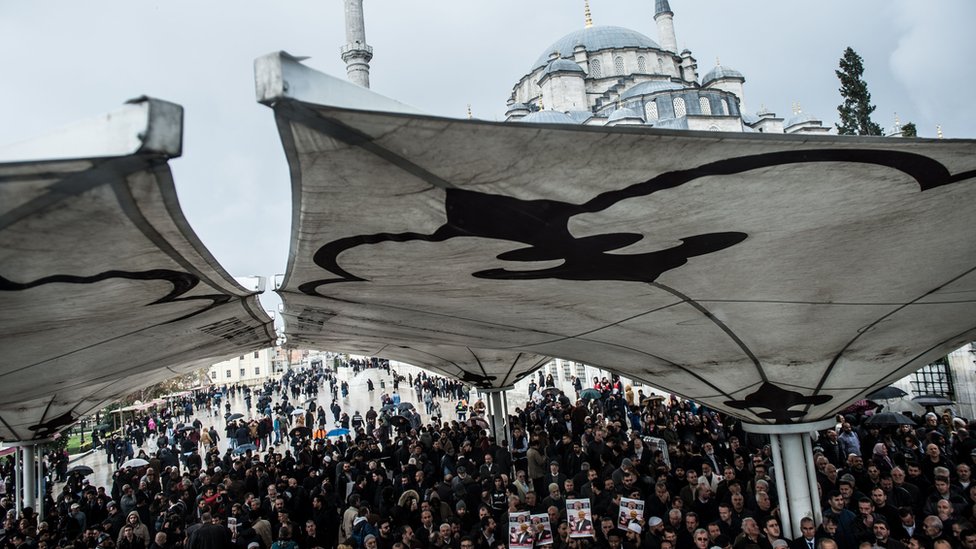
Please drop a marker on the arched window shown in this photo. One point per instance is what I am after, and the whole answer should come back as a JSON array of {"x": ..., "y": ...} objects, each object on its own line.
[
  {"x": 706, "y": 107},
  {"x": 725, "y": 107},
  {"x": 641, "y": 64},
  {"x": 618, "y": 65},
  {"x": 595, "y": 70},
  {"x": 713, "y": 128},
  {"x": 650, "y": 111},
  {"x": 660, "y": 65},
  {"x": 679, "y": 107}
]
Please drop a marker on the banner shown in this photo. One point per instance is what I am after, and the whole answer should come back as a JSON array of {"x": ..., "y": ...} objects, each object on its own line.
[
  {"x": 631, "y": 510},
  {"x": 520, "y": 535},
  {"x": 580, "y": 518},
  {"x": 542, "y": 529}
]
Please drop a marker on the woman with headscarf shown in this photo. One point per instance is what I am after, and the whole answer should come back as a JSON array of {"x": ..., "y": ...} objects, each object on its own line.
[{"x": 881, "y": 459}]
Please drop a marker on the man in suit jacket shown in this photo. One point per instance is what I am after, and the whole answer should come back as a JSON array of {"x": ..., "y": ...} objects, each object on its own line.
[{"x": 808, "y": 535}]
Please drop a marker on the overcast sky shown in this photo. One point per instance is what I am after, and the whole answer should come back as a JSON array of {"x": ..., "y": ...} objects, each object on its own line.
[{"x": 64, "y": 61}]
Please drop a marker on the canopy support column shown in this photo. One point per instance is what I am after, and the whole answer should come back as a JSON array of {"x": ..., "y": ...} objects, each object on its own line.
[
  {"x": 18, "y": 480},
  {"x": 498, "y": 412},
  {"x": 794, "y": 467},
  {"x": 29, "y": 467}
]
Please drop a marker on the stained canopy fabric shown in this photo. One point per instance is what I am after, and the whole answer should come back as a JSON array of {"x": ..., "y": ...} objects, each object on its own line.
[
  {"x": 774, "y": 277},
  {"x": 104, "y": 287}
]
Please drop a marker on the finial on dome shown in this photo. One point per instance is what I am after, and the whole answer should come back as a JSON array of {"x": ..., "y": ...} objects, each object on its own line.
[
  {"x": 718, "y": 63},
  {"x": 897, "y": 122},
  {"x": 470, "y": 116},
  {"x": 586, "y": 14},
  {"x": 938, "y": 130},
  {"x": 542, "y": 105},
  {"x": 799, "y": 109}
]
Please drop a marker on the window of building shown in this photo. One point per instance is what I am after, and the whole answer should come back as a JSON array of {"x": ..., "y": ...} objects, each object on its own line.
[
  {"x": 257, "y": 370},
  {"x": 552, "y": 370},
  {"x": 679, "y": 107},
  {"x": 227, "y": 374},
  {"x": 242, "y": 357},
  {"x": 567, "y": 369},
  {"x": 641, "y": 64},
  {"x": 257, "y": 354},
  {"x": 580, "y": 370},
  {"x": 213, "y": 374},
  {"x": 660, "y": 65},
  {"x": 934, "y": 379},
  {"x": 650, "y": 111},
  {"x": 242, "y": 372},
  {"x": 595, "y": 70},
  {"x": 725, "y": 107},
  {"x": 706, "y": 107},
  {"x": 618, "y": 65}
]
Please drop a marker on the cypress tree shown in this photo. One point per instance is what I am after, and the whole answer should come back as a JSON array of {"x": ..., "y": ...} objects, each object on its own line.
[{"x": 855, "y": 111}]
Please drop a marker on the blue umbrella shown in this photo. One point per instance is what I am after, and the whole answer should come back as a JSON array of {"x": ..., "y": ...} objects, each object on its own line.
[
  {"x": 244, "y": 448},
  {"x": 337, "y": 433}
]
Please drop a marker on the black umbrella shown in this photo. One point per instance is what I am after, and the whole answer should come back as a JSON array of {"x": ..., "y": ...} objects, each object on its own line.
[
  {"x": 388, "y": 408},
  {"x": 82, "y": 470},
  {"x": 591, "y": 394},
  {"x": 404, "y": 406},
  {"x": 886, "y": 393},
  {"x": 932, "y": 400},
  {"x": 233, "y": 417},
  {"x": 551, "y": 391},
  {"x": 400, "y": 422},
  {"x": 888, "y": 419},
  {"x": 299, "y": 432},
  {"x": 188, "y": 428}
]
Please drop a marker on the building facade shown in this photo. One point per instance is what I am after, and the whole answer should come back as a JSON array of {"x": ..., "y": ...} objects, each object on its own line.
[{"x": 251, "y": 369}]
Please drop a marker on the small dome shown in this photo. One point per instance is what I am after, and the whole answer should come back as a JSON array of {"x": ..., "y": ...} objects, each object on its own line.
[
  {"x": 563, "y": 65},
  {"x": 548, "y": 117},
  {"x": 720, "y": 72},
  {"x": 595, "y": 39},
  {"x": 517, "y": 107},
  {"x": 625, "y": 113},
  {"x": 654, "y": 86},
  {"x": 800, "y": 118}
]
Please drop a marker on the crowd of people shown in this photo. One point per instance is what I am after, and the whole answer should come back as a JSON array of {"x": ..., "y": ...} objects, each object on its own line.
[{"x": 621, "y": 469}]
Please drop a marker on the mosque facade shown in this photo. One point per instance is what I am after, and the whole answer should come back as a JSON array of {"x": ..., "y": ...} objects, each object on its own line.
[{"x": 607, "y": 75}]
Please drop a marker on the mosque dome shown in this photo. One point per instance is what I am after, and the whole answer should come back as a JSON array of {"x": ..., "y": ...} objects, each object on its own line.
[
  {"x": 654, "y": 86},
  {"x": 563, "y": 65},
  {"x": 595, "y": 39},
  {"x": 800, "y": 118},
  {"x": 625, "y": 115},
  {"x": 548, "y": 117},
  {"x": 719, "y": 72}
]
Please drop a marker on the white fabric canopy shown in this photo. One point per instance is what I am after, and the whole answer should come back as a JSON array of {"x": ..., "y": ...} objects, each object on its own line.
[
  {"x": 103, "y": 285},
  {"x": 776, "y": 278}
]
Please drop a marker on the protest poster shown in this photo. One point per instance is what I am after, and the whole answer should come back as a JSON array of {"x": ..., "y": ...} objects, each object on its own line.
[
  {"x": 541, "y": 529},
  {"x": 580, "y": 518},
  {"x": 631, "y": 510},
  {"x": 520, "y": 535}
]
